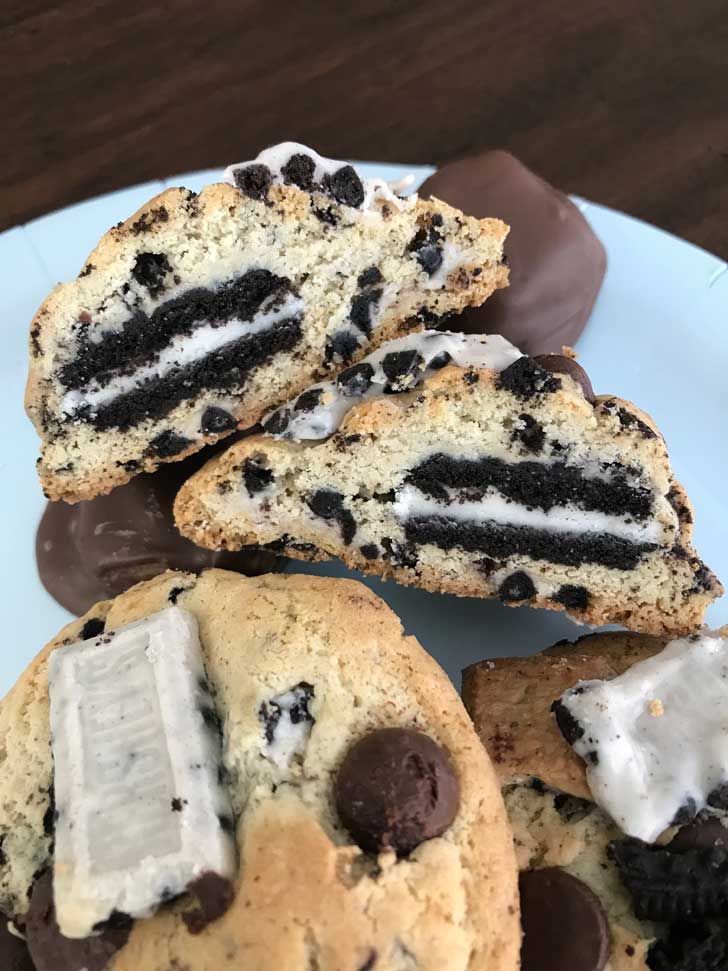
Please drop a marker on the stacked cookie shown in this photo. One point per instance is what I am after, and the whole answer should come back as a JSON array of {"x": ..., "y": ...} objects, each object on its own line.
[{"x": 210, "y": 771}]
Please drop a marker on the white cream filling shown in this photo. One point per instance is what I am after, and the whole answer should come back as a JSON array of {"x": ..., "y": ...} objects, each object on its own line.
[
  {"x": 135, "y": 772},
  {"x": 376, "y": 191},
  {"x": 659, "y": 733},
  {"x": 466, "y": 351},
  {"x": 180, "y": 352},
  {"x": 495, "y": 508}
]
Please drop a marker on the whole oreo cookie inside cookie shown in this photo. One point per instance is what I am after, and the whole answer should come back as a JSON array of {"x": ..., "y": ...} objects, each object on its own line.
[
  {"x": 95, "y": 550},
  {"x": 556, "y": 262}
]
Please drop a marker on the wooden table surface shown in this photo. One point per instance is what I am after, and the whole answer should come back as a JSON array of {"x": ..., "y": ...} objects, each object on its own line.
[{"x": 622, "y": 101}]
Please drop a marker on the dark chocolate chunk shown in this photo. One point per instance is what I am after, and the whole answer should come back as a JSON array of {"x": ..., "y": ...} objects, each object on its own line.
[
  {"x": 671, "y": 886},
  {"x": 427, "y": 248},
  {"x": 278, "y": 422},
  {"x": 51, "y": 951},
  {"x": 560, "y": 364},
  {"x": 516, "y": 587},
  {"x": 369, "y": 277},
  {"x": 525, "y": 379},
  {"x": 14, "y": 954},
  {"x": 369, "y": 551},
  {"x": 564, "y": 924},
  {"x": 690, "y": 947},
  {"x": 216, "y": 421},
  {"x": 92, "y": 628},
  {"x": 529, "y": 433},
  {"x": 703, "y": 832},
  {"x": 150, "y": 270},
  {"x": 401, "y": 367},
  {"x": 345, "y": 186},
  {"x": 168, "y": 443},
  {"x": 214, "y": 895},
  {"x": 329, "y": 504},
  {"x": 256, "y": 477},
  {"x": 355, "y": 380},
  {"x": 361, "y": 310},
  {"x": 568, "y": 725},
  {"x": 401, "y": 554},
  {"x": 440, "y": 361},
  {"x": 572, "y": 596},
  {"x": 299, "y": 170},
  {"x": 308, "y": 400},
  {"x": 254, "y": 180},
  {"x": 341, "y": 347},
  {"x": 396, "y": 788}
]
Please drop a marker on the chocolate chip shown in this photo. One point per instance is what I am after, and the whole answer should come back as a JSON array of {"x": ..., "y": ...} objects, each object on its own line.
[
  {"x": 355, "y": 380},
  {"x": 440, "y": 361},
  {"x": 560, "y": 364},
  {"x": 529, "y": 433},
  {"x": 701, "y": 833},
  {"x": 278, "y": 422},
  {"x": 256, "y": 477},
  {"x": 329, "y": 504},
  {"x": 14, "y": 954},
  {"x": 396, "y": 788},
  {"x": 568, "y": 725},
  {"x": 516, "y": 587},
  {"x": 214, "y": 895},
  {"x": 299, "y": 169},
  {"x": 254, "y": 180},
  {"x": 572, "y": 596},
  {"x": 308, "y": 400},
  {"x": 92, "y": 628},
  {"x": 168, "y": 443},
  {"x": 150, "y": 270},
  {"x": 345, "y": 186},
  {"x": 525, "y": 378},
  {"x": 50, "y": 950},
  {"x": 401, "y": 367},
  {"x": 341, "y": 347},
  {"x": 369, "y": 551},
  {"x": 370, "y": 276},
  {"x": 215, "y": 421},
  {"x": 361, "y": 310},
  {"x": 564, "y": 924}
]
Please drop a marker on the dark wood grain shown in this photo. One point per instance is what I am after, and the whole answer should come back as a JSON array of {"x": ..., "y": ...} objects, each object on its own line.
[{"x": 621, "y": 101}]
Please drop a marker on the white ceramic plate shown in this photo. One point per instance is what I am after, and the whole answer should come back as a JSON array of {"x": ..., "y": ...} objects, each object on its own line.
[{"x": 658, "y": 336}]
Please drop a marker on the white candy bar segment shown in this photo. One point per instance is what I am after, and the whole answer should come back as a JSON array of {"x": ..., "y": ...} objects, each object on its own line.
[
  {"x": 136, "y": 754},
  {"x": 655, "y": 739}
]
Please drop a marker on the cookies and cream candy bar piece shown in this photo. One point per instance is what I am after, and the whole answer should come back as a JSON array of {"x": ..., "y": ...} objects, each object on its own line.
[
  {"x": 135, "y": 738},
  {"x": 654, "y": 739}
]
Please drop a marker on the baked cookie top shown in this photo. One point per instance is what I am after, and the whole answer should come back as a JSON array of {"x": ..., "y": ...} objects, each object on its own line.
[{"x": 305, "y": 895}]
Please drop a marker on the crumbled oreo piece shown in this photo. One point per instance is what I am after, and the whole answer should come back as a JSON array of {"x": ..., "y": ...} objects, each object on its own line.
[
  {"x": 168, "y": 443},
  {"x": 440, "y": 361},
  {"x": 345, "y": 186},
  {"x": 402, "y": 368},
  {"x": 327, "y": 216},
  {"x": 685, "y": 813},
  {"x": 308, "y": 400},
  {"x": 529, "y": 433},
  {"x": 670, "y": 886},
  {"x": 92, "y": 628},
  {"x": 427, "y": 249},
  {"x": 361, "y": 310},
  {"x": 572, "y": 808},
  {"x": 355, "y": 380},
  {"x": 400, "y": 554},
  {"x": 703, "y": 832},
  {"x": 341, "y": 347},
  {"x": 516, "y": 587},
  {"x": 174, "y": 593},
  {"x": 572, "y": 596},
  {"x": 278, "y": 422},
  {"x": 560, "y": 364},
  {"x": 329, "y": 504},
  {"x": 396, "y": 788},
  {"x": 629, "y": 421},
  {"x": 256, "y": 477},
  {"x": 254, "y": 180},
  {"x": 215, "y": 421},
  {"x": 299, "y": 170},
  {"x": 50, "y": 950},
  {"x": 369, "y": 551},
  {"x": 150, "y": 270},
  {"x": 690, "y": 947},
  {"x": 718, "y": 798},
  {"x": 214, "y": 895},
  {"x": 369, "y": 277},
  {"x": 525, "y": 378},
  {"x": 568, "y": 725}
]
